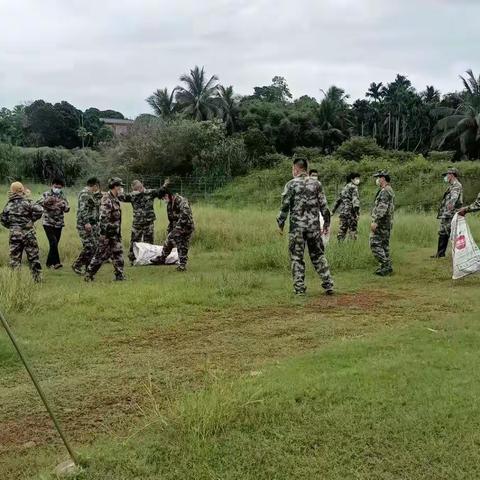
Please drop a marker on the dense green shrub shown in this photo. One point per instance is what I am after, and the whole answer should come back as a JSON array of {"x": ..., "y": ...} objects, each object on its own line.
[
  {"x": 357, "y": 147},
  {"x": 307, "y": 152},
  {"x": 447, "y": 156},
  {"x": 44, "y": 163}
]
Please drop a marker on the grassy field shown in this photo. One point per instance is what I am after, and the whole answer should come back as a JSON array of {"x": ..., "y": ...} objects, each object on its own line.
[{"x": 221, "y": 373}]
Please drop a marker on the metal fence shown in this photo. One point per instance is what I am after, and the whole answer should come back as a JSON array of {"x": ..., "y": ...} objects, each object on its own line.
[{"x": 263, "y": 190}]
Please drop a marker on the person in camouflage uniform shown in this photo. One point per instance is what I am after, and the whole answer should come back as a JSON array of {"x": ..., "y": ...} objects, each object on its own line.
[
  {"x": 303, "y": 199},
  {"x": 88, "y": 213},
  {"x": 110, "y": 240},
  {"x": 349, "y": 204},
  {"x": 382, "y": 222},
  {"x": 473, "y": 207},
  {"x": 452, "y": 200},
  {"x": 19, "y": 216},
  {"x": 180, "y": 230},
  {"x": 55, "y": 205},
  {"x": 143, "y": 224}
]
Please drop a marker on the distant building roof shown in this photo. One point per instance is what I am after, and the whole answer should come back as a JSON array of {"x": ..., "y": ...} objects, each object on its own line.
[{"x": 117, "y": 121}]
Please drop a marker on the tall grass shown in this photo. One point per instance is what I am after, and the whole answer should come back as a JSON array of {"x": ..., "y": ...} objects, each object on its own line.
[{"x": 17, "y": 290}]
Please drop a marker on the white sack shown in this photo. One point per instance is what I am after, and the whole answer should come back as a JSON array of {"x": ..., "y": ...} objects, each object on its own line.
[
  {"x": 465, "y": 252},
  {"x": 145, "y": 253}
]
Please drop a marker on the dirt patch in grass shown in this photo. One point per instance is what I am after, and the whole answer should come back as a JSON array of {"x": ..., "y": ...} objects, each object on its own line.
[{"x": 231, "y": 341}]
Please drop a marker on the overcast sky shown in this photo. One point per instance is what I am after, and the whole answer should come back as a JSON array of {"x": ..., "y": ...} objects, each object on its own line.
[{"x": 114, "y": 53}]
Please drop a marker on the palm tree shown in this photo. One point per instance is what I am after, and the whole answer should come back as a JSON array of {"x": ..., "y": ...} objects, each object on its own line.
[
  {"x": 197, "y": 98},
  {"x": 430, "y": 95},
  {"x": 375, "y": 91},
  {"x": 228, "y": 107},
  {"x": 334, "y": 118},
  {"x": 462, "y": 124},
  {"x": 163, "y": 103}
]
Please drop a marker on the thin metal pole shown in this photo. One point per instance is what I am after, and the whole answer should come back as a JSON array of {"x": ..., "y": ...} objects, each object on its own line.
[{"x": 38, "y": 387}]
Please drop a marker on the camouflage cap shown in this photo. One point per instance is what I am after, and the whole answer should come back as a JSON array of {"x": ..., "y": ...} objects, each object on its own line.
[
  {"x": 381, "y": 173},
  {"x": 115, "y": 182},
  {"x": 453, "y": 171}
]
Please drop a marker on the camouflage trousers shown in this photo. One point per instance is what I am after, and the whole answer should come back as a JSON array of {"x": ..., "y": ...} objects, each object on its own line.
[
  {"x": 445, "y": 227},
  {"x": 181, "y": 240},
  {"x": 140, "y": 233},
  {"x": 380, "y": 246},
  {"x": 25, "y": 240},
  {"x": 348, "y": 224},
  {"x": 89, "y": 246},
  {"x": 107, "y": 248},
  {"x": 313, "y": 240}
]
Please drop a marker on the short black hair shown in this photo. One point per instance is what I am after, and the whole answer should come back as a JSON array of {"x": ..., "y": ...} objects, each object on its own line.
[
  {"x": 58, "y": 181},
  {"x": 387, "y": 178},
  {"x": 91, "y": 182},
  {"x": 352, "y": 175},
  {"x": 301, "y": 162},
  {"x": 313, "y": 170}
]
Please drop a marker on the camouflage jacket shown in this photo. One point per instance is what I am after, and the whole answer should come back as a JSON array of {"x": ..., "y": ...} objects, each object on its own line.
[
  {"x": 54, "y": 209},
  {"x": 180, "y": 215},
  {"x": 88, "y": 211},
  {"x": 110, "y": 216},
  {"x": 20, "y": 213},
  {"x": 384, "y": 207},
  {"x": 475, "y": 206},
  {"x": 348, "y": 201},
  {"x": 452, "y": 200},
  {"x": 142, "y": 204},
  {"x": 304, "y": 200}
]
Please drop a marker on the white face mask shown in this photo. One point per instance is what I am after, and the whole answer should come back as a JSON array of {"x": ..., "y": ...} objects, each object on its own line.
[
  {"x": 356, "y": 181},
  {"x": 120, "y": 191},
  {"x": 377, "y": 182},
  {"x": 56, "y": 191},
  {"x": 445, "y": 178}
]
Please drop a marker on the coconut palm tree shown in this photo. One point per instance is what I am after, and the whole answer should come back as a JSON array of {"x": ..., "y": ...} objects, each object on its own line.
[
  {"x": 430, "y": 95},
  {"x": 376, "y": 91},
  {"x": 462, "y": 124},
  {"x": 228, "y": 107},
  {"x": 197, "y": 98},
  {"x": 334, "y": 118},
  {"x": 163, "y": 103}
]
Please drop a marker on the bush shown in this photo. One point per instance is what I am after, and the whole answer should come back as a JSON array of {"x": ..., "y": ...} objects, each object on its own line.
[
  {"x": 270, "y": 160},
  {"x": 308, "y": 152},
  {"x": 355, "y": 148},
  {"x": 447, "y": 156},
  {"x": 44, "y": 163}
]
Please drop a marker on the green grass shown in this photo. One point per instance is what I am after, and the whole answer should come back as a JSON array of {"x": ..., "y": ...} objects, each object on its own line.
[{"x": 222, "y": 374}]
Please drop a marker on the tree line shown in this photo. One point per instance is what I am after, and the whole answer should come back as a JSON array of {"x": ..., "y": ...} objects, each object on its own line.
[
  {"x": 270, "y": 121},
  {"x": 42, "y": 124},
  {"x": 395, "y": 114}
]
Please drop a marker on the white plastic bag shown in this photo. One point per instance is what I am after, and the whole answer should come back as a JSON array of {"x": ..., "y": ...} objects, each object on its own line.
[
  {"x": 465, "y": 252},
  {"x": 325, "y": 238},
  {"x": 145, "y": 253}
]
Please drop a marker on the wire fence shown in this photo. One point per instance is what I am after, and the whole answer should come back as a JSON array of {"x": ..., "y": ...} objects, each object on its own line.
[{"x": 263, "y": 190}]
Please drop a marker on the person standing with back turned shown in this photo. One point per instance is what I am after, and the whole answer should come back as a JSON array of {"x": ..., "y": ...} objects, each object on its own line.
[
  {"x": 382, "y": 222},
  {"x": 303, "y": 199}
]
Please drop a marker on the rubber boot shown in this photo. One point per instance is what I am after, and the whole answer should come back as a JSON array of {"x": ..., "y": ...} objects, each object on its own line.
[{"x": 442, "y": 246}]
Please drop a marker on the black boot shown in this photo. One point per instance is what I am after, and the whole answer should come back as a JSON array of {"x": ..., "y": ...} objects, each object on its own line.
[{"x": 442, "y": 246}]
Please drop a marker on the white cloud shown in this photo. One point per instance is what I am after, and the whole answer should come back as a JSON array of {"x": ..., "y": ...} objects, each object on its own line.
[{"x": 114, "y": 53}]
